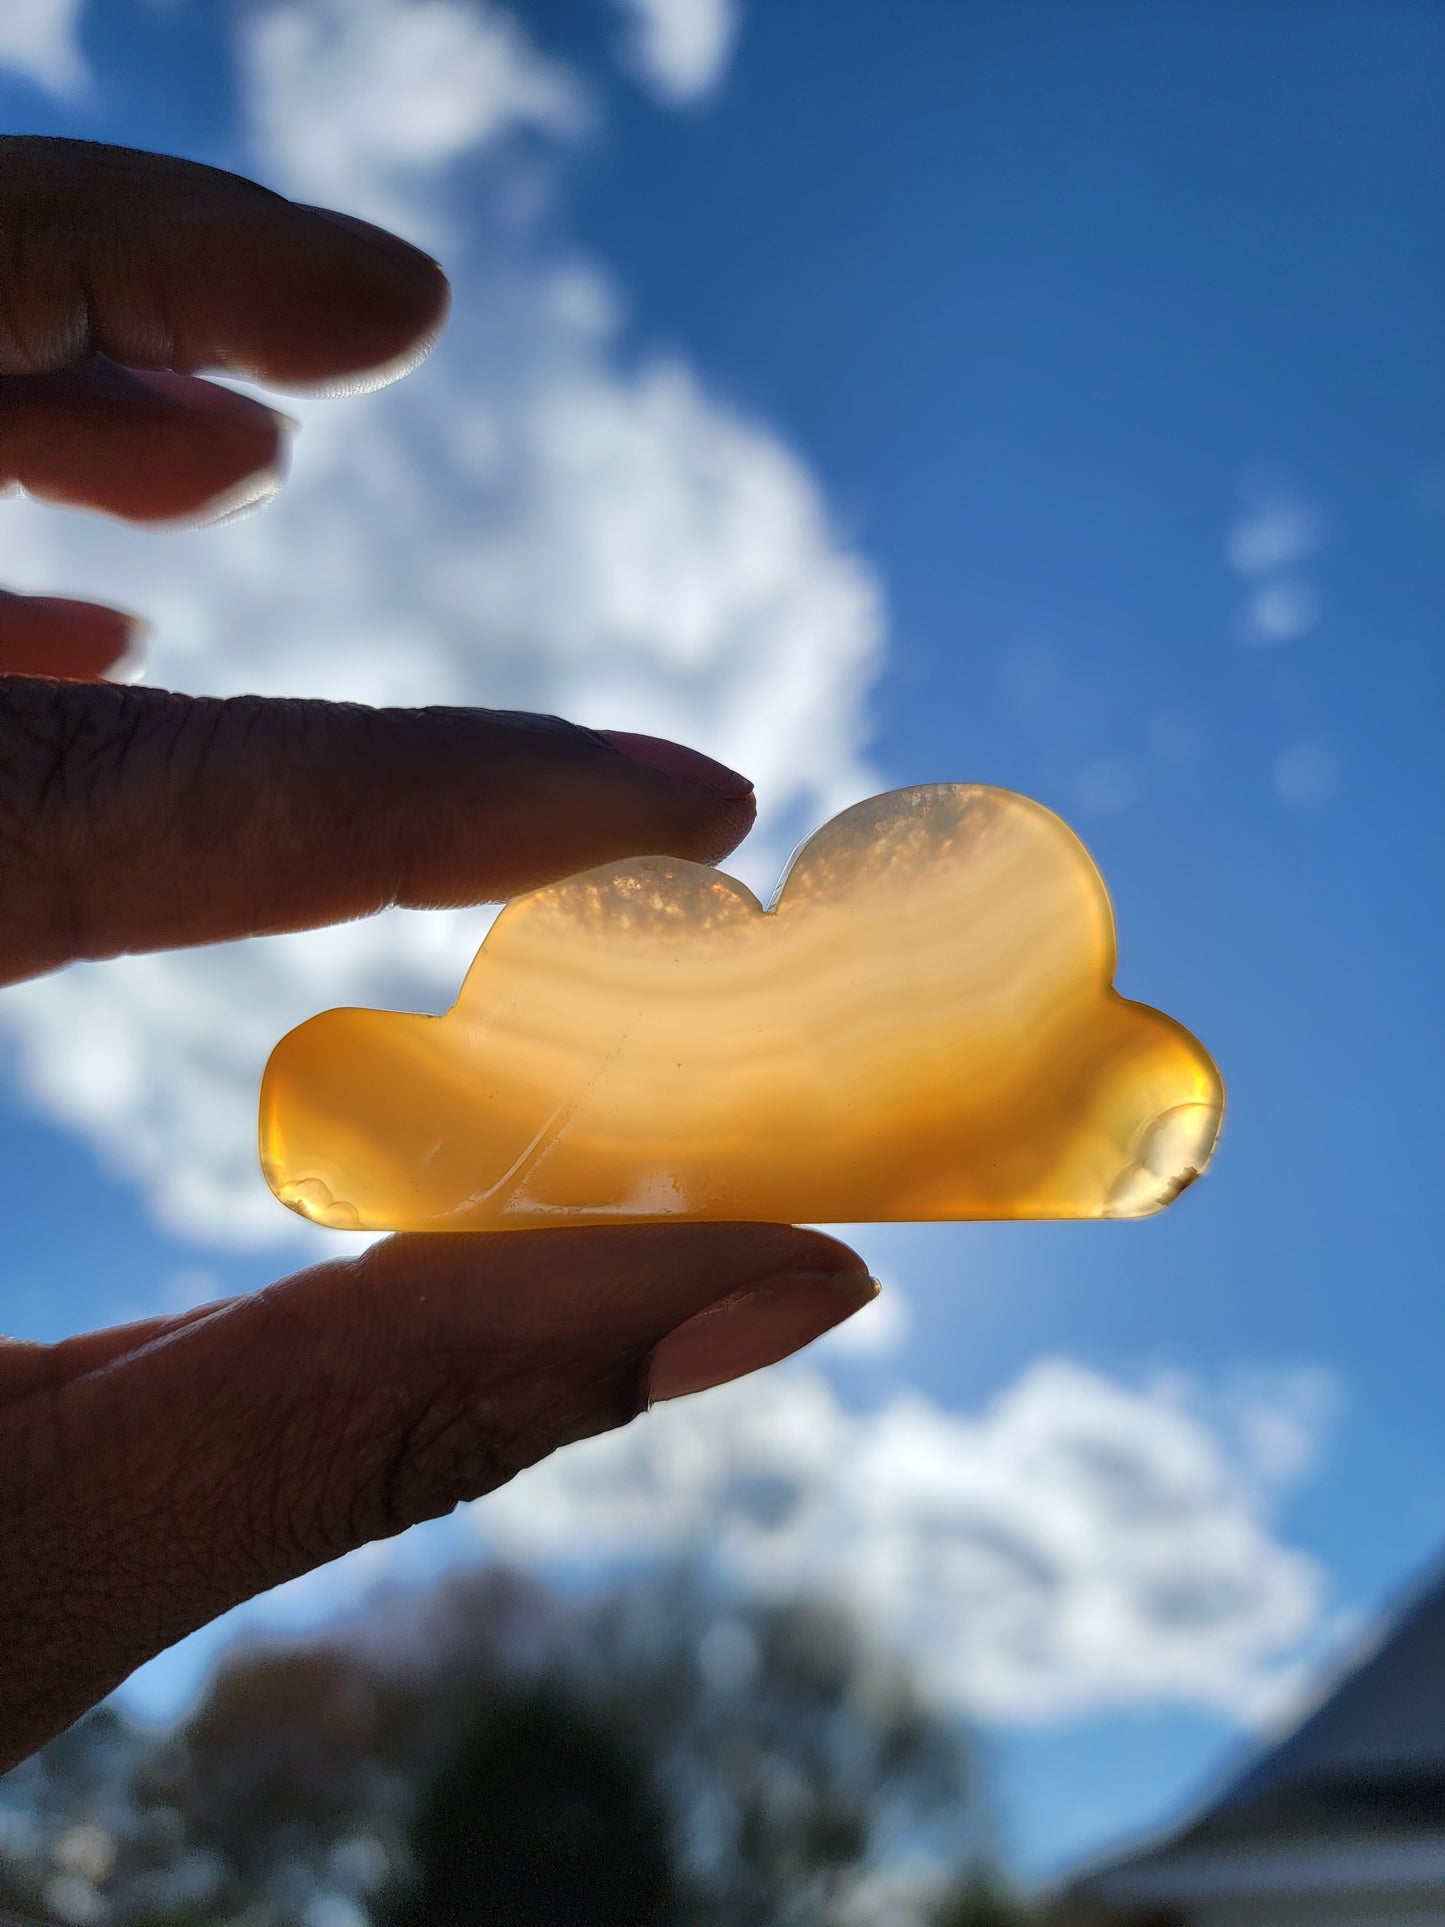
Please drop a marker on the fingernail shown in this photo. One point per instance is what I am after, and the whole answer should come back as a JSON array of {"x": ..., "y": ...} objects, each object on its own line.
[
  {"x": 391, "y": 245},
  {"x": 753, "y": 1328},
  {"x": 213, "y": 398},
  {"x": 129, "y": 628},
  {"x": 674, "y": 759}
]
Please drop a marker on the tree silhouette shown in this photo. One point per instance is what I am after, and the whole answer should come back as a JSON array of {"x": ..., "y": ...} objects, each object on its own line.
[
  {"x": 544, "y": 1816},
  {"x": 490, "y": 1753}
]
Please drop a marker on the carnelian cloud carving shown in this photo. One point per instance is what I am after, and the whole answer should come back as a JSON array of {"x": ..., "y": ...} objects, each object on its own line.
[{"x": 923, "y": 1025}]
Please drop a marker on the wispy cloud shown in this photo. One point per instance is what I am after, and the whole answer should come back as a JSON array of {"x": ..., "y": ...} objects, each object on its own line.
[
  {"x": 1273, "y": 535},
  {"x": 878, "y": 1331},
  {"x": 1280, "y": 610},
  {"x": 364, "y": 104},
  {"x": 1078, "y": 1546},
  {"x": 1273, "y": 531},
  {"x": 40, "y": 39},
  {"x": 679, "y": 49}
]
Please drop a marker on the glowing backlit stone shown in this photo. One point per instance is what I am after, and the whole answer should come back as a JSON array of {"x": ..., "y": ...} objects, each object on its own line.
[{"x": 922, "y": 1026}]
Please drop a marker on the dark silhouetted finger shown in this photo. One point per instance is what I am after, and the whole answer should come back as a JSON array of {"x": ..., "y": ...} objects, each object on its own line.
[
  {"x": 51, "y": 636},
  {"x": 134, "y": 819},
  {"x": 150, "y": 447},
  {"x": 248, "y": 1444},
  {"x": 27, "y": 1367},
  {"x": 160, "y": 263}
]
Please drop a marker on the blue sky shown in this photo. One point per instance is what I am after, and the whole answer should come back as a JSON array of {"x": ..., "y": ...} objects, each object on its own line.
[{"x": 1100, "y": 347}]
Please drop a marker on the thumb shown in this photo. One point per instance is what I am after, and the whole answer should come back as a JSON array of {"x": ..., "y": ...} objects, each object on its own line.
[{"x": 170, "y": 1479}]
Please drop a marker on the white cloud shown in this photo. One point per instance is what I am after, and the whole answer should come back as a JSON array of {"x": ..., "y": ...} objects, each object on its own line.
[
  {"x": 680, "y": 49},
  {"x": 192, "y": 1285},
  {"x": 359, "y": 104},
  {"x": 1281, "y": 610},
  {"x": 1281, "y": 1418},
  {"x": 879, "y": 1330},
  {"x": 1077, "y": 1546},
  {"x": 523, "y": 523},
  {"x": 1274, "y": 533},
  {"x": 40, "y": 39}
]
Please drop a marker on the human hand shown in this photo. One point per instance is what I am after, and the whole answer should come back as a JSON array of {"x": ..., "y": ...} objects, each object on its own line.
[{"x": 153, "y": 1475}]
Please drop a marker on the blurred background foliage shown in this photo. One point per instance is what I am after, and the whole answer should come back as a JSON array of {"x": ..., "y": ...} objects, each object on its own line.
[{"x": 493, "y": 1752}]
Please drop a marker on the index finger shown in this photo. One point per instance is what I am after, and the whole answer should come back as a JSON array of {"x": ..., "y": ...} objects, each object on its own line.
[
  {"x": 163, "y": 263},
  {"x": 134, "y": 819}
]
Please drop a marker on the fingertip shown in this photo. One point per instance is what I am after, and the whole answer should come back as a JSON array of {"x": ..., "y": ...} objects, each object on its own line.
[
  {"x": 55, "y": 638},
  {"x": 210, "y": 401},
  {"x": 723, "y": 805},
  {"x": 385, "y": 303},
  {"x": 237, "y": 485},
  {"x": 753, "y": 1328},
  {"x": 734, "y": 824},
  {"x": 405, "y": 254},
  {"x": 148, "y": 446},
  {"x": 153, "y": 260},
  {"x": 233, "y": 452},
  {"x": 128, "y": 665},
  {"x": 243, "y": 498},
  {"x": 677, "y": 760},
  {"x": 819, "y": 1251}
]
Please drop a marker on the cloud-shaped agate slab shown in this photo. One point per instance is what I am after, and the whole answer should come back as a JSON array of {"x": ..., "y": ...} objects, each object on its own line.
[{"x": 922, "y": 1025}]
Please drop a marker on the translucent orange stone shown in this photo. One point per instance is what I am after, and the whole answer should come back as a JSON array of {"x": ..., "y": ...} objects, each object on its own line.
[{"x": 922, "y": 1025}]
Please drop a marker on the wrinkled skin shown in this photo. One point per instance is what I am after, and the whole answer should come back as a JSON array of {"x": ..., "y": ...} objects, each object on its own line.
[{"x": 154, "y": 1475}]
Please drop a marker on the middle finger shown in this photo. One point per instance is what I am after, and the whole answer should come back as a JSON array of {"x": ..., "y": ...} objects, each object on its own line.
[{"x": 152, "y": 447}]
